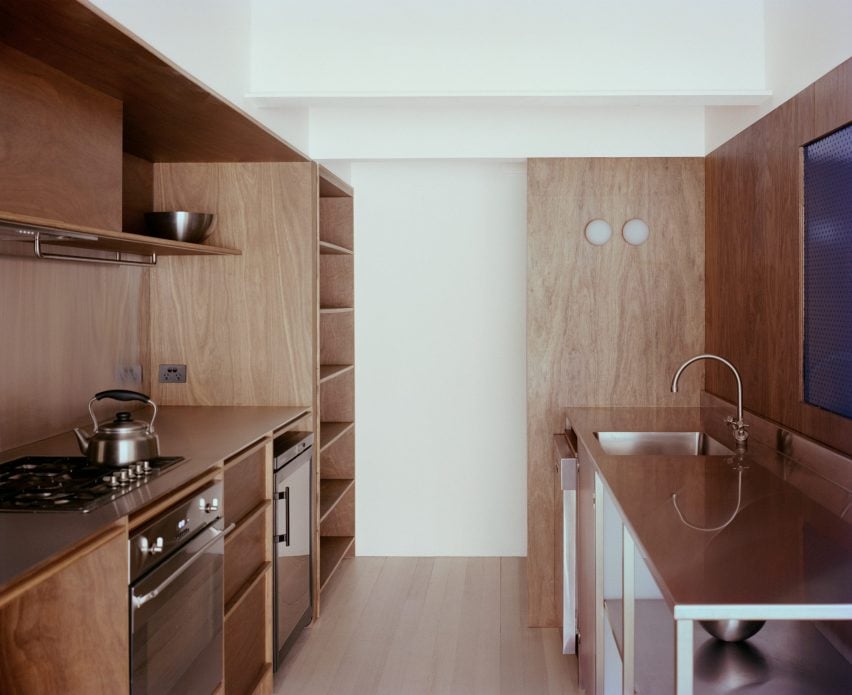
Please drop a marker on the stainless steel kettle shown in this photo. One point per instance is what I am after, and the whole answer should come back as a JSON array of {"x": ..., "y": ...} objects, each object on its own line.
[{"x": 124, "y": 440}]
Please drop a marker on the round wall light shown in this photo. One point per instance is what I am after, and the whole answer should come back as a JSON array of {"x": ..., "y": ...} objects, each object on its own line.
[
  {"x": 598, "y": 232},
  {"x": 635, "y": 231}
]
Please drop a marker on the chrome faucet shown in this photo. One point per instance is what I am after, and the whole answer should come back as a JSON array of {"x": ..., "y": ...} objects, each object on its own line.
[{"x": 738, "y": 427}]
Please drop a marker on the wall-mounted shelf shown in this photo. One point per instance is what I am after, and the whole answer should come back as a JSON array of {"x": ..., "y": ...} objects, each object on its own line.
[
  {"x": 331, "y": 492},
  {"x": 330, "y": 432},
  {"x": 332, "y": 551},
  {"x": 330, "y": 371},
  {"x": 329, "y": 249},
  {"x": 41, "y": 232}
]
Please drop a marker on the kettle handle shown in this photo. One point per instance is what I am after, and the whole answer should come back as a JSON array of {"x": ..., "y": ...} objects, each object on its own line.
[{"x": 123, "y": 395}]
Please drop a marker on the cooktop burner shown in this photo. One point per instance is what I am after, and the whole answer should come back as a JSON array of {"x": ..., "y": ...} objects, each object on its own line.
[{"x": 70, "y": 483}]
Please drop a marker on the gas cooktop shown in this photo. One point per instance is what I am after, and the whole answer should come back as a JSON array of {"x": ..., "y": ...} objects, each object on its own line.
[{"x": 70, "y": 483}]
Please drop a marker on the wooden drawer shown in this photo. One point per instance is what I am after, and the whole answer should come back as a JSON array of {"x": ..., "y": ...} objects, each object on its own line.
[
  {"x": 247, "y": 647},
  {"x": 247, "y": 548},
  {"x": 248, "y": 481}
]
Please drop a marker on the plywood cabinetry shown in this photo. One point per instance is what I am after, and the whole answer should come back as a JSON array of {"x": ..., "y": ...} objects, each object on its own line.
[
  {"x": 248, "y": 571},
  {"x": 67, "y": 632},
  {"x": 335, "y": 459}
]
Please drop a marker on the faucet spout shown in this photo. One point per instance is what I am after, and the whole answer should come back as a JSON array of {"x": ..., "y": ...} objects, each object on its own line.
[{"x": 738, "y": 426}]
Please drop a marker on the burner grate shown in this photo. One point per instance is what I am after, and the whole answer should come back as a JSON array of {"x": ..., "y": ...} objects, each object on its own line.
[{"x": 70, "y": 483}]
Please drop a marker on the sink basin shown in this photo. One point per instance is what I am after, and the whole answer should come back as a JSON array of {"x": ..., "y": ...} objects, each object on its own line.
[{"x": 661, "y": 444}]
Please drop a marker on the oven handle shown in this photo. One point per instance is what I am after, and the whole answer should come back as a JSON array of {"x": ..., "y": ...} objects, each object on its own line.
[{"x": 139, "y": 601}]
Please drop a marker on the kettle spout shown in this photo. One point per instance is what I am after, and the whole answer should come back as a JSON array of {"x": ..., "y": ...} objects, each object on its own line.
[{"x": 82, "y": 439}]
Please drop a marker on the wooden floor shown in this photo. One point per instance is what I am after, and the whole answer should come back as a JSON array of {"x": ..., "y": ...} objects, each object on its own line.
[{"x": 427, "y": 625}]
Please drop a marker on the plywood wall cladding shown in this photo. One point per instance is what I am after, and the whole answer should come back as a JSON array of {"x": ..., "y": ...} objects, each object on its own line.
[
  {"x": 754, "y": 257},
  {"x": 68, "y": 329},
  {"x": 243, "y": 325},
  {"x": 60, "y": 145},
  {"x": 606, "y": 325}
]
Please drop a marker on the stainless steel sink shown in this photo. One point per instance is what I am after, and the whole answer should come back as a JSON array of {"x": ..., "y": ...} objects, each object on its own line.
[{"x": 661, "y": 444}]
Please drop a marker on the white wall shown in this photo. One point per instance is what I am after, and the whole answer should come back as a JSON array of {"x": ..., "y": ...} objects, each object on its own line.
[
  {"x": 804, "y": 40},
  {"x": 505, "y": 46},
  {"x": 440, "y": 338},
  {"x": 506, "y": 132}
]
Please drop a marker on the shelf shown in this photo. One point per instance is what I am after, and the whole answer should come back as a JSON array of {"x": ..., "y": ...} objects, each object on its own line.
[
  {"x": 36, "y": 230},
  {"x": 332, "y": 551},
  {"x": 331, "y": 185},
  {"x": 330, "y": 371},
  {"x": 786, "y": 655},
  {"x": 240, "y": 595},
  {"x": 329, "y": 249},
  {"x": 336, "y": 310},
  {"x": 331, "y": 492},
  {"x": 330, "y": 432}
]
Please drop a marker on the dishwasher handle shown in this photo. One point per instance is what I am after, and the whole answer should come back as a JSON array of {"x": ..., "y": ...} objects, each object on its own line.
[
  {"x": 285, "y": 537},
  {"x": 139, "y": 601},
  {"x": 567, "y": 462}
]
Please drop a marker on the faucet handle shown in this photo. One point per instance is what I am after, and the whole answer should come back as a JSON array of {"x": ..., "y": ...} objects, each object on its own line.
[{"x": 739, "y": 430}]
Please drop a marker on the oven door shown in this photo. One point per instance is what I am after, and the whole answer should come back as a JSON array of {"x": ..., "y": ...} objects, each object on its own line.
[{"x": 176, "y": 621}]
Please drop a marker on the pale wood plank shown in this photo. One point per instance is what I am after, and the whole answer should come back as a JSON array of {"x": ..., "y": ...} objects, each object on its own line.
[
  {"x": 310, "y": 667},
  {"x": 394, "y": 626}
]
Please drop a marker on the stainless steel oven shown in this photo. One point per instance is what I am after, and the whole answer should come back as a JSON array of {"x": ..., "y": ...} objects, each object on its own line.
[
  {"x": 176, "y": 586},
  {"x": 291, "y": 600}
]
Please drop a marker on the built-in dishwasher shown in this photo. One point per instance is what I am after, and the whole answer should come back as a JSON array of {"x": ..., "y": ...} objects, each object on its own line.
[
  {"x": 176, "y": 578},
  {"x": 291, "y": 571}
]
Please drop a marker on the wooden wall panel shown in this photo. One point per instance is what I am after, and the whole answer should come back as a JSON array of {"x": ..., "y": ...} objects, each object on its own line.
[
  {"x": 137, "y": 193},
  {"x": 243, "y": 325},
  {"x": 67, "y": 329},
  {"x": 605, "y": 325},
  {"x": 60, "y": 145},
  {"x": 754, "y": 258}
]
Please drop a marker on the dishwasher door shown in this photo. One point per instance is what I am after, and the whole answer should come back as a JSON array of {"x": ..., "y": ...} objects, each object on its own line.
[{"x": 292, "y": 552}]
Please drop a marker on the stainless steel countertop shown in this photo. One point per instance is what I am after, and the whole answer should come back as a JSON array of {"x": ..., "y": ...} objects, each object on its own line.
[
  {"x": 788, "y": 547},
  {"x": 204, "y": 435}
]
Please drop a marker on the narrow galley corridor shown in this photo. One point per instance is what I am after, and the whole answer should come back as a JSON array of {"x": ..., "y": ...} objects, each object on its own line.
[{"x": 417, "y": 626}]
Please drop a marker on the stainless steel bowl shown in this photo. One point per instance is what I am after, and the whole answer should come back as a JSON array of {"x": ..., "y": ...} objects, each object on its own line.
[
  {"x": 193, "y": 227},
  {"x": 732, "y": 630}
]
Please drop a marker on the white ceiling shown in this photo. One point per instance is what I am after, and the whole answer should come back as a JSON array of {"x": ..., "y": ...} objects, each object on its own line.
[{"x": 498, "y": 78}]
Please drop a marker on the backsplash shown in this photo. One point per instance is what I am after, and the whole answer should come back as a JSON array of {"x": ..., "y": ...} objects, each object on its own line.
[{"x": 68, "y": 328}]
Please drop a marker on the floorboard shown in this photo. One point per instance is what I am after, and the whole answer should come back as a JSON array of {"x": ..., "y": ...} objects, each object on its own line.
[{"x": 400, "y": 626}]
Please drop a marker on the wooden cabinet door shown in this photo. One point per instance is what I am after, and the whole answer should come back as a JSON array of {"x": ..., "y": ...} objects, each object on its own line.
[{"x": 68, "y": 633}]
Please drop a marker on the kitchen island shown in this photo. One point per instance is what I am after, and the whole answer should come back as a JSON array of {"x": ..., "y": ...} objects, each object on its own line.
[{"x": 752, "y": 535}]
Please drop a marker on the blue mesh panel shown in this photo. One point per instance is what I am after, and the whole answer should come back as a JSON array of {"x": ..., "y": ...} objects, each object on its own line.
[{"x": 828, "y": 272}]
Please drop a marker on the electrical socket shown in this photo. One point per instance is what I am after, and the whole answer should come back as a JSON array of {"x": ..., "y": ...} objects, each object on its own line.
[
  {"x": 128, "y": 374},
  {"x": 172, "y": 373}
]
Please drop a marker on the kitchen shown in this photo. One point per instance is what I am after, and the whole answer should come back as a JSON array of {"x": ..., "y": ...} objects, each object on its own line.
[{"x": 400, "y": 314}]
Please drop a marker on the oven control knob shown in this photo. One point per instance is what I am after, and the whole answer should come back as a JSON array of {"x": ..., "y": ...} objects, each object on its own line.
[
  {"x": 207, "y": 508},
  {"x": 123, "y": 476},
  {"x": 146, "y": 548}
]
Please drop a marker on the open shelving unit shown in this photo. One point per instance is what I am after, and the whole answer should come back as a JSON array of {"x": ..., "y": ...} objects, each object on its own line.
[
  {"x": 40, "y": 231},
  {"x": 335, "y": 389}
]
